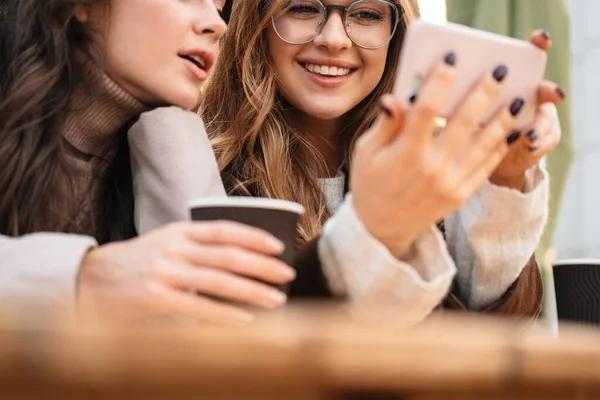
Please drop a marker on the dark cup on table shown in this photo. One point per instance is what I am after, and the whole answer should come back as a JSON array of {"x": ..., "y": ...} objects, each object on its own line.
[
  {"x": 577, "y": 287},
  {"x": 278, "y": 217}
]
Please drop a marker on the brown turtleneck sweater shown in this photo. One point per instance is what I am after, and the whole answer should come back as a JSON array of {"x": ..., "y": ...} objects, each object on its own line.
[
  {"x": 44, "y": 266},
  {"x": 100, "y": 114}
]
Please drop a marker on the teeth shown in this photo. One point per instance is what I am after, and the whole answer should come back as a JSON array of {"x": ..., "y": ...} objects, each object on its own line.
[
  {"x": 327, "y": 70},
  {"x": 198, "y": 59}
]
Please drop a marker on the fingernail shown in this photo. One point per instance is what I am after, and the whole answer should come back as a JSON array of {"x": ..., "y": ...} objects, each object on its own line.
[
  {"x": 533, "y": 148},
  {"x": 276, "y": 297},
  {"x": 500, "y": 73},
  {"x": 450, "y": 58},
  {"x": 545, "y": 34},
  {"x": 561, "y": 92},
  {"x": 532, "y": 135},
  {"x": 288, "y": 273},
  {"x": 413, "y": 98},
  {"x": 513, "y": 137},
  {"x": 275, "y": 245},
  {"x": 516, "y": 106},
  {"x": 385, "y": 110}
]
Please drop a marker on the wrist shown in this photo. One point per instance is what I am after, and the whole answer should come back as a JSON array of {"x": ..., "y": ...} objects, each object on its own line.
[
  {"x": 517, "y": 183},
  {"x": 396, "y": 239},
  {"x": 398, "y": 247}
]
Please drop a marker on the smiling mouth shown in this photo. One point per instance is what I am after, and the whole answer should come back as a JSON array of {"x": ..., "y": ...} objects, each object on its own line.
[
  {"x": 326, "y": 70},
  {"x": 197, "y": 61}
]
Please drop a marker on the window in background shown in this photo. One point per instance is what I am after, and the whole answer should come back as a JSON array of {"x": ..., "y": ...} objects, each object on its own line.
[{"x": 433, "y": 10}]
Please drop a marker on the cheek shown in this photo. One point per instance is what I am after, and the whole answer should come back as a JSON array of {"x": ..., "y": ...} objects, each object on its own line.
[
  {"x": 142, "y": 42},
  {"x": 279, "y": 52},
  {"x": 375, "y": 61},
  {"x": 141, "y": 47}
]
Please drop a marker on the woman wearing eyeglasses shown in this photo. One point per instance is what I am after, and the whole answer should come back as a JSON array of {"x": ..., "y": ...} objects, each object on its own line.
[{"x": 297, "y": 110}]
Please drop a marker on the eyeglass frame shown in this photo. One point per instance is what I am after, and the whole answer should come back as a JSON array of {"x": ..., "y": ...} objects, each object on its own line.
[{"x": 343, "y": 10}]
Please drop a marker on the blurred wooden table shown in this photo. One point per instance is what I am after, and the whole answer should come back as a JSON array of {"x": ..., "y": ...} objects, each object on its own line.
[{"x": 304, "y": 353}]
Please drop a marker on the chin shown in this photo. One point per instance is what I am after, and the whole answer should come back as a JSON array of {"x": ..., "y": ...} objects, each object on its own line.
[
  {"x": 325, "y": 112},
  {"x": 187, "y": 101}
]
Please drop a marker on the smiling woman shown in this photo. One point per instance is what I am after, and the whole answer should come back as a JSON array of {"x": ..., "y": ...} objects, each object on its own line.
[{"x": 327, "y": 98}]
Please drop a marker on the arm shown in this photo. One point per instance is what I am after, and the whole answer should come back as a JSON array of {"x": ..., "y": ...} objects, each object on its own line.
[
  {"x": 41, "y": 267},
  {"x": 357, "y": 266},
  {"x": 491, "y": 239},
  {"x": 523, "y": 299},
  {"x": 172, "y": 163}
]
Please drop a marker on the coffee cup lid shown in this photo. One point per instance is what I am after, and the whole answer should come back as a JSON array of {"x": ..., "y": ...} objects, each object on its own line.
[
  {"x": 248, "y": 202},
  {"x": 577, "y": 261}
]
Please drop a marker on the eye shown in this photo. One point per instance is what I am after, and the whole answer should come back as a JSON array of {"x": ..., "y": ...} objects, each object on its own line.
[
  {"x": 367, "y": 16},
  {"x": 304, "y": 9}
]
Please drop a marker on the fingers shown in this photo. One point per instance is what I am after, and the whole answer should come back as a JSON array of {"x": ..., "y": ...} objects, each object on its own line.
[
  {"x": 387, "y": 126},
  {"x": 421, "y": 120},
  {"x": 489, "y": 165},
  {"x": 234, "y": 259},
  {"x": 222, "y": 284},
  {"x": 550, "y": 92},
  {"x": 201, "y": 308},
  {"x": 541, "y": 38},
  {"x": 545, "y": 134},
  {"x": 470, "y": 114},
  {"x": 493, "y": 140},
  {"x": 231, "y": 233}
]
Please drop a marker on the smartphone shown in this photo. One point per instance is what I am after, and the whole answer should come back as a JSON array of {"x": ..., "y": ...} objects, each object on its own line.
[{"x": 478, "y": 53}]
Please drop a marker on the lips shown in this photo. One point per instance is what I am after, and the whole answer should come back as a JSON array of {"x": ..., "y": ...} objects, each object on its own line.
[
  {"x": 197, "y": 61},
  {"x": 201, "y": 59}
]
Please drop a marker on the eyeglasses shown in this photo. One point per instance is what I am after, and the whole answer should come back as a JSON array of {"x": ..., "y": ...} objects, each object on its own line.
[{"x": 369, "y": 24}]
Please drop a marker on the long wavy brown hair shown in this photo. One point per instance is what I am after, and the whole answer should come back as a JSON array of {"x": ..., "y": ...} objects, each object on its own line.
[
  {"x": 40, "y": 68},
  {"x": 260, "y": 151}
]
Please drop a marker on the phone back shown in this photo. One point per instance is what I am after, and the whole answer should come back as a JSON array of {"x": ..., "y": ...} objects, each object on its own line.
[{"x": 478, "y": 53}]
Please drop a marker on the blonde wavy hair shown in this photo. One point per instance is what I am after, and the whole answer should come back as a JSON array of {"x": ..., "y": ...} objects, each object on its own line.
[{"x": 259, "y": 149}]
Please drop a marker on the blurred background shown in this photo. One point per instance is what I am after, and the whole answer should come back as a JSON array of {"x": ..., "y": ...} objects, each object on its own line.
[{"x": 574, "y": 62}]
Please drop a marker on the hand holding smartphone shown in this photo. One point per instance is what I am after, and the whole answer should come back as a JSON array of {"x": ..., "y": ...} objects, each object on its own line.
[{"x": 478, "y": 53}]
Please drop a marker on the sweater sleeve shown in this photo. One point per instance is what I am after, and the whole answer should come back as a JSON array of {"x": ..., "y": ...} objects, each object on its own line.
[
  {"x": 492, "y": 237},
  {"x": 355, "y": 264},
  {"x": 41, "y": 267},
  {"x": 172, "y": 163}
]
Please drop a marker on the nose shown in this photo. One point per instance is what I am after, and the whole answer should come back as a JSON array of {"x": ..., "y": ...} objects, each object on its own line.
[
  {"x": 333, "y": 36},
  {"x": 209, "y": 23}
]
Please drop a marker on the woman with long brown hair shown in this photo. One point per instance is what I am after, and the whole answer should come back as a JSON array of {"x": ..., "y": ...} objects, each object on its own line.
[
  {"x": 298, "y": 105},
  {"x": 74, "y": 75}
]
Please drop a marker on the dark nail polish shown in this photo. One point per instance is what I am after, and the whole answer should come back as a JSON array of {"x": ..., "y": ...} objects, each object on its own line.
[
  {"x": 385, "y": 110},
  {"x": 561, "y": 92},
  {"x": 513, "y": 137},
  {"x": 500, "y": 73},
  {"x": 534, "y": 149},
  {"x": 516, "y": 106},
  {"x": 450, "y": 58},
  {"x": 532, "y": 135},
  {"x": 412, "y": 98},
  {"x": 545, "y": 34}
]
